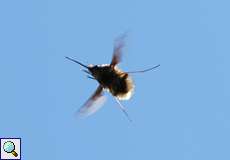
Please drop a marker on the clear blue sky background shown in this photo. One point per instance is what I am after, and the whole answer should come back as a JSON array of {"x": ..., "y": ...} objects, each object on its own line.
[{"x": 180, "y": 111}]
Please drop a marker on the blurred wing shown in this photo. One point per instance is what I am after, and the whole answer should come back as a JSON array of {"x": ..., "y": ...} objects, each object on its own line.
[
  {"x": 93, "y": 104},
  {"x": 117, "y": 51}
]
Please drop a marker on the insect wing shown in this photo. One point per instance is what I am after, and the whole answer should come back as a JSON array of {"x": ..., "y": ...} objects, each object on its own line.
[
  {"x": 117, "y": 51},
  {"x": 93, "y": 104}
]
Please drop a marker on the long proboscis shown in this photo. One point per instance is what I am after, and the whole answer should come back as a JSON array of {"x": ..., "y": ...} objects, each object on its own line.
[
  {"x": 77, "y": 62},
  {"x": 146, "y": 70}
]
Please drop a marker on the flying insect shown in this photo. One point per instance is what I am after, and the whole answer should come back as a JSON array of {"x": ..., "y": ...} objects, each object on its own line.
[{"x": 110, "y": 78}]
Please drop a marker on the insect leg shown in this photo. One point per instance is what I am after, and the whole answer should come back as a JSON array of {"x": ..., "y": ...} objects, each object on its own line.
[
  {"x": 86, "y": 71},
  {"x": 146, "y": 70},
  {"x": 91, "y": 77},
  {"x": 123, "y": 109}
]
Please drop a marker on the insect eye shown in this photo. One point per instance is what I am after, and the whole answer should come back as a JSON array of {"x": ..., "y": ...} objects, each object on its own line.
[{"x": 95, "y": 67}]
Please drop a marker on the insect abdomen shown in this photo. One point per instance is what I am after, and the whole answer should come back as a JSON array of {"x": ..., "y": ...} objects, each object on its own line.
[
  {"x": 119, "y": 83},
  {"x": 122, "y": 87}
]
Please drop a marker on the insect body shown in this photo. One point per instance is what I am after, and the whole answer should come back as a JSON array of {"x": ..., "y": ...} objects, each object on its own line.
[
  {"x": 117, "y": 82},
  {"x": 111, "y": 78}
]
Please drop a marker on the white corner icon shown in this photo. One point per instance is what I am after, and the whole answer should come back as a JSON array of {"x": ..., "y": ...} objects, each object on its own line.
[{"x": 10, "y": 148}]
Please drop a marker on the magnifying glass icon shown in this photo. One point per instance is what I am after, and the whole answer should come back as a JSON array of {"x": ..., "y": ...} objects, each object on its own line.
[{"x": 9, "y": 147}]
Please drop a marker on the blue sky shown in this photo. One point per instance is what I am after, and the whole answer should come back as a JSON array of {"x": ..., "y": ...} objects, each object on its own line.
[{"x": 180, "y": 111}]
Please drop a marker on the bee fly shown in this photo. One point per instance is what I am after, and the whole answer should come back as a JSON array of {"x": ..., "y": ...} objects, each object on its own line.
[{"x": 110, "y": 78}]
